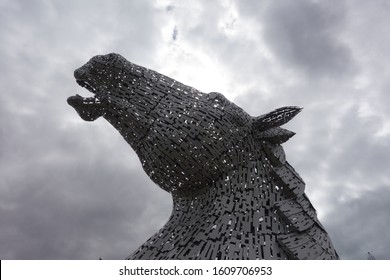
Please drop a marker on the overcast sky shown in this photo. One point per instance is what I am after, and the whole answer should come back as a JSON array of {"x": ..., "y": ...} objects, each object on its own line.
[{"x": 71, "y": 189}]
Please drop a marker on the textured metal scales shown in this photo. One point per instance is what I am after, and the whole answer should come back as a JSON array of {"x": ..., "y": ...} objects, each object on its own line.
[{"x": 234, "y": 194}]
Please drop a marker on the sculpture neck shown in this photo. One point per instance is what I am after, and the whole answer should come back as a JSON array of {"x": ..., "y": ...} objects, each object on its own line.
[
  {"x": 234, "y": 213},
  {"x": 247, "y": 188}
]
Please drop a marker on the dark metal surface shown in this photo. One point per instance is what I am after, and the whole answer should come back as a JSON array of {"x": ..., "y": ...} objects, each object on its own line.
[{"x": 234, "y": 194}]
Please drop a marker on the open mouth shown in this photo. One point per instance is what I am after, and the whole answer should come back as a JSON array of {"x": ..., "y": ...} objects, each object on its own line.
[
  {"x": 88, "y": 108},
  {"x": 86, "y": 85}
]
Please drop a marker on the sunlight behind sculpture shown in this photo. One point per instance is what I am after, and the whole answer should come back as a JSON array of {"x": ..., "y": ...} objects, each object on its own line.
[{"x": 234, "y": 194}]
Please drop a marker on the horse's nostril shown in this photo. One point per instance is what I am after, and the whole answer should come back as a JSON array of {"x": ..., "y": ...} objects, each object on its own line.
[{"x": 79, "y": 73}]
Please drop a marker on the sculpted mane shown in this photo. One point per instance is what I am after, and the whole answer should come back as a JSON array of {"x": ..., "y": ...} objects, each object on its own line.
[{"x": 234, "y": 194}]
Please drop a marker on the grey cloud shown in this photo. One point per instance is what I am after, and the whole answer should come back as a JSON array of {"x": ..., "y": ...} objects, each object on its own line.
[
  {"x": 363, "y": 225},
  {"x": 306, "y": 34},
  {"x": 95, "y": 212},
  {"x": 61, "y": 29},
  {"x": 170, "y": 8},
  {"x": 175, "y": 33},
  {"x": 69, "y": 189},
  {"x": 72, "y": 192}
]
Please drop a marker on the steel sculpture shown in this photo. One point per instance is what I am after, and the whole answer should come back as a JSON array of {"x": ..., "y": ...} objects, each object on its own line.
[{"x": 234, "y": 194}]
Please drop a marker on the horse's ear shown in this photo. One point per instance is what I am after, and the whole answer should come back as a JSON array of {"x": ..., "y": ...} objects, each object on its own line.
[
  {"x": 275, "y": 118},
  {"x": 274, "y": 135}
]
